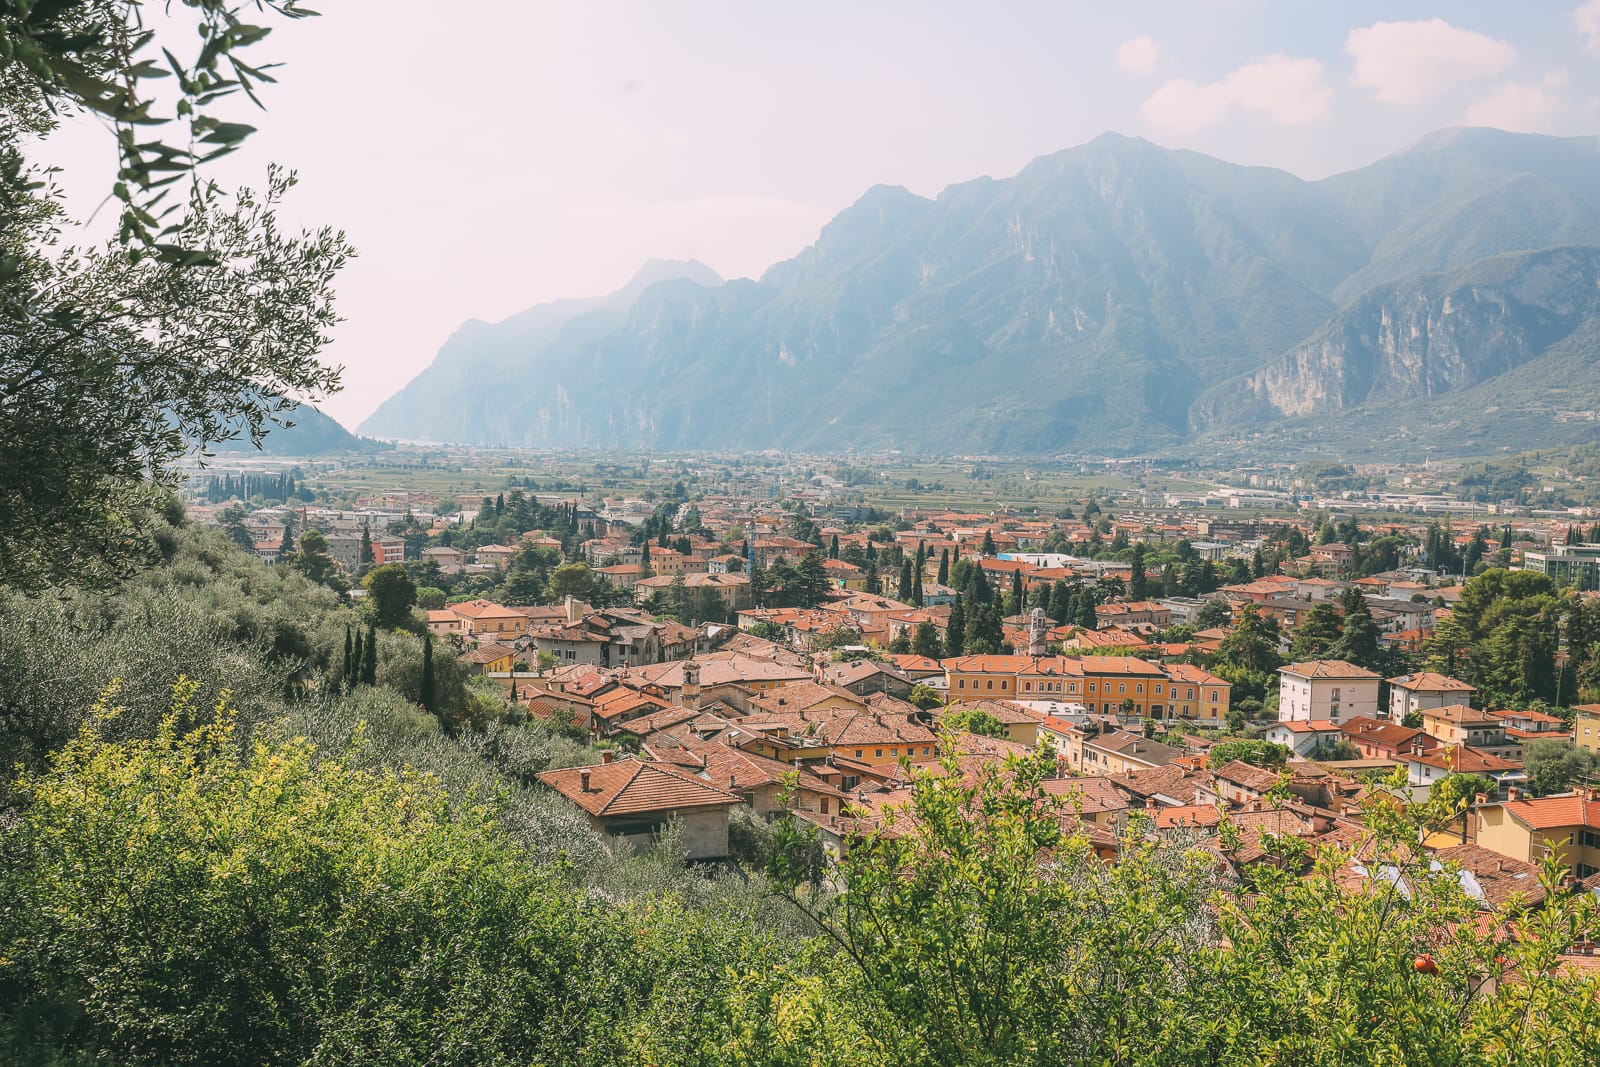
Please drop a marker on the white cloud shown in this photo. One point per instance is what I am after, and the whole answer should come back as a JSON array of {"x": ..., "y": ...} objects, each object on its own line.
[
  {"x": 1289, "y": 91},
  {"x": 1587, "y": 20},
  {"x": 1411, "y": 62},
  {"x": 1140, "y": 55},
  {"x": 1519, "y": 106}
]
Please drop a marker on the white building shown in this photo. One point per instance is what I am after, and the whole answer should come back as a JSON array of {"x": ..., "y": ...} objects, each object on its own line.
[
  {"x": 1328, "y": 689},
  {"x": 1415, "y": 693}
]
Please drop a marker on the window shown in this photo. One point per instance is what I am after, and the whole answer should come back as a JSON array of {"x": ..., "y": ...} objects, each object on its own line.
[
  {"x": 1122, "y": 687},
  {"x": 1138, "y": 687},
  {"x": 858, "y": 753},
  {"x": 1591, "y": 839},
  {"x": 924, "y": 750},
  {"x": 961, "y": 683},
  {"x": 878, "y": 752},
  {"x": 1072, "y": 687},
  {"x": 1190, "y": 693},
  {"x": 1213, "y": 696},
  {"x": 895, "y": 751},
  {"x": 988, "y": 683}
]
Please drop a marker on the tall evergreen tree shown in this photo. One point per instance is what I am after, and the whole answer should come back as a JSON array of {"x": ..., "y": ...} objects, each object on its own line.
[
  {"x": 286, "y": 549},
  {"x": 987, "y": 548},
  {"x": 369, "y": 665},
  {"x": 1138, "y": 585},
  {"x": 955, "y": 634},
  {"x": 345, "y": 666},
  {"x": 353, "y": 676},
  {"x": 833, "y": 547},
  {"x": 426, "y": 690},
  {"x": 366, "y": 545},
  {"x": 904, "y": 592},
  {"x": 944, "y": 566},
  {"x": 1016, "y": 590}
]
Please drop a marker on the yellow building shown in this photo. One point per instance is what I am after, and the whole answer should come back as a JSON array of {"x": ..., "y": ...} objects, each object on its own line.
[
  {"x": 1529, "y": 828},
  {"x": 1109, "y": 685},
  {"x": 1586, "y": 726}
]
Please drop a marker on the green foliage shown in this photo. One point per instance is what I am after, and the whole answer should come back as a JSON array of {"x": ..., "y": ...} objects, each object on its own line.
[
  {"x": 1554, "y": 766},
  {"x": 925, "y": 696},
  {"x": 182, "y": 900},
  {"x": 392, "y": 594},
  {"x": 1454, "y": 792},
  {"x": 975, "y": 721},
  {"x": 1268, "y": 754}
]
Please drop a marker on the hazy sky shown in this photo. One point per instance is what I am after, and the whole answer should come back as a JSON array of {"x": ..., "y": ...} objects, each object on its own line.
[{"x": 486, "y": 155}]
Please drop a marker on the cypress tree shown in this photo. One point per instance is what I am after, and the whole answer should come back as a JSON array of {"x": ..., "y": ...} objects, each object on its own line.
[
  {"x": 366, "y": 545},
  {"x": 833, "y": 547},
  {"x": 944, "y": 567},
  {"x": 904, "y": 593},
  {"x": 956, "y": 629},
  {"x": 988, "y": 544},
  {"x": 345, "y": 667},
  {"x": 369, "y": 666},
  {"x": 426, "y": 689},
  {"x": 1016, "y": 590},
  {"x": 354, "y": 678}
]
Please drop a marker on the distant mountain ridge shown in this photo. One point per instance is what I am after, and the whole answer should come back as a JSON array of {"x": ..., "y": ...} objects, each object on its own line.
[
  {"x": 1116, "y": 297},
  {"x": 314, "y": 433}
]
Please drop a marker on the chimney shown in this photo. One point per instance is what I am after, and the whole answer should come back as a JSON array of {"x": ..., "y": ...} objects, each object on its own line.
[
  {"x": 731, "y": 783},
  {"x": 583, "y": 781},
  {"x": 607, "y": 756},
  {"x": 1513, "y": 793},
  {"x": 572, "y": 611}
]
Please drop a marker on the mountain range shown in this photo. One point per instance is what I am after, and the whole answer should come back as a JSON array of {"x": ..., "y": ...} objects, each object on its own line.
[{"x": 1116, "y": 297}]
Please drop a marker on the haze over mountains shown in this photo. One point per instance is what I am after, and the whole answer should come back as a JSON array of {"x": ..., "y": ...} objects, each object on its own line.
[{"x": 1116, "y": 297}]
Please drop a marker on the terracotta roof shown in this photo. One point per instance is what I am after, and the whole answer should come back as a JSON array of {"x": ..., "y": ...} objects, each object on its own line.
[
  {"x": 1492, "y": 878},
  {"x": 1463, "y": 759},
  {"x": 1461, "y": 715},
  {"x": 1431, "y": 682},
  {"x": 484, "y": 609},
  {"x": 488, "y": 653},
  {"x": 1312, "y": 726},
  {"x": 634, "y": 787},
  {"x": 799, "y": 697},
  {"x": 1248, "y": 775},
  {"x": 1188, "y": 815},
  {"x": 1548, "y": 813},
  {"x": 1328, "y": 668}
]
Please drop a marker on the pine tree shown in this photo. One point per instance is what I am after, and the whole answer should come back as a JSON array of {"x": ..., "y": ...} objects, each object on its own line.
[
  {"x": 988, "y": 544},
  {"x": 944, "y": 567},
  {"x": 369, "y": 665},
  {"x": 429, "y": 698}
]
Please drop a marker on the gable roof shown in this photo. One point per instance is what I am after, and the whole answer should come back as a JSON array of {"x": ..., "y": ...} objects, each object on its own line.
[
  {"x": 1329, "y": 668},
  {"x": 1431, "y": 682},
  {"x": 634, "y": 787}
]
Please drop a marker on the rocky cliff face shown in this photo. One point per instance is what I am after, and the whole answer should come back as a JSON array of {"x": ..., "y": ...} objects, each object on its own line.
[{"x": 1422, "y": 338}]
